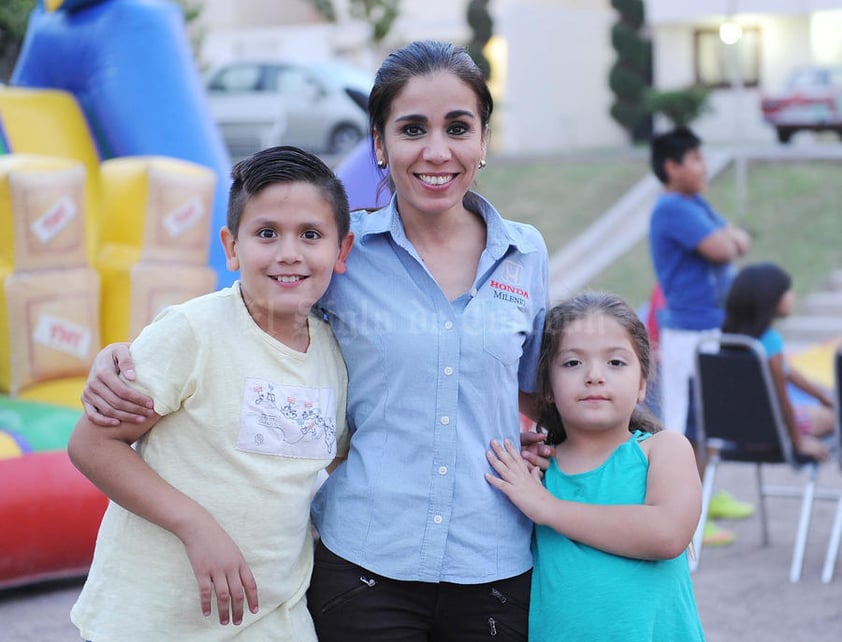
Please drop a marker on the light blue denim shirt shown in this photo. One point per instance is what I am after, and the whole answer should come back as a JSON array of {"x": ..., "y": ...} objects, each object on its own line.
[{"x": 431, "y": 383}]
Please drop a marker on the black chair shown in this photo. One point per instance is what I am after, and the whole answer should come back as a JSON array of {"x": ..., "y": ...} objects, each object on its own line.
[
  {"x": 836, "y": 531},
  {"x": 739, "y": 418}
]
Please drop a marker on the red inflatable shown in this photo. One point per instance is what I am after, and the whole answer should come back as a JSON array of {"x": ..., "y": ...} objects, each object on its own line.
[{"x": 51, "y": 515}]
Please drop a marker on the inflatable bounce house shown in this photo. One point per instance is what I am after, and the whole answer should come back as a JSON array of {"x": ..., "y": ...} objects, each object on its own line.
[{"x": 113, "y": 188}]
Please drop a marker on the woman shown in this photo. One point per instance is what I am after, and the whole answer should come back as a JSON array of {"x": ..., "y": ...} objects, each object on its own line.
[{"x": 439, "y": 317}]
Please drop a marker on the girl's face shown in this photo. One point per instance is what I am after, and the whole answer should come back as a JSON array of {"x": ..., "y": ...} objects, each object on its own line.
[
  {"x": 786, "y": 304},
  {"x": 596, "y": 376},
  {"x": 433, "y": 141}
]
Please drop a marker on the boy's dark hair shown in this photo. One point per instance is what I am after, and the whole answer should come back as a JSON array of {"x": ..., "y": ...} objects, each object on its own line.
[
  {"x": 753, "y": 299},
  {"x": 581, "y": 306},
  {"x": 672, "y": 145},
  {"x": 285, "y": 165}
]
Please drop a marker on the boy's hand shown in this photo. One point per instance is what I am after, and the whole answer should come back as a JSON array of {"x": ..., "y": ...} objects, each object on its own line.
[
  {"x": 742, "y": 239},
  {"x": 106, "y": 398},
  {"x": 220, "y": 568}
]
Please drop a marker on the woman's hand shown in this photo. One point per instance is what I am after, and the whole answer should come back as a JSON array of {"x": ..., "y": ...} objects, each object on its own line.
[
  {"x": 106, "y": 398},
  {"x": 533, "y": 449}
]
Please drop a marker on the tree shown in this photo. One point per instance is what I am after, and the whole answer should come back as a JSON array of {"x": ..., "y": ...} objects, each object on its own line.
[
  {"x": 14, "y": 15},
  {"x": 482, "y": 28},
  {"x": 379, "y": 14},
  {"x": 681, "y": 106},
  {"x": 631, "y": 74}
]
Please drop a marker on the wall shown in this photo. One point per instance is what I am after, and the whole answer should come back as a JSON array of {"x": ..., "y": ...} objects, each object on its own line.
[{"x": 556, "y": 97}]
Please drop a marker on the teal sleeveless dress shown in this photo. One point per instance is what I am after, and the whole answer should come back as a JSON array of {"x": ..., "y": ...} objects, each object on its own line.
[{"x": 581, "y": 593}]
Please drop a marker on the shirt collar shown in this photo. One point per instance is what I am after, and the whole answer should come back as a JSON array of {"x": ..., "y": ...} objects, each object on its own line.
[{"x": 501, "y": 234}]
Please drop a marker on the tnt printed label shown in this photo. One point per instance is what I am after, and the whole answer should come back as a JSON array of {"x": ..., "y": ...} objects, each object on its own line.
[
  {"x": 290, "y": 421},
  {"x": 62, "y": 335},
  {"x": 47, "y": 226},
  {"x": 184, "y": 217}
]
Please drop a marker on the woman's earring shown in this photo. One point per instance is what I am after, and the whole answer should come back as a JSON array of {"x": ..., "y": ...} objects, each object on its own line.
[
  {"x": 381, "y": 163},
  {"x": 482, "y": 164}
]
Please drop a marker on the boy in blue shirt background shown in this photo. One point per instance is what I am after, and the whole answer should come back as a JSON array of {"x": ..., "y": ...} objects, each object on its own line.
[{"x": 693, "y": 249}]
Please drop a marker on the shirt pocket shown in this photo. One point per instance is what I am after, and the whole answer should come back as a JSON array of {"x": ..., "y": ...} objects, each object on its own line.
[
  {"x": 504, "y": 332},
  {"x": 287, "y": 421}
]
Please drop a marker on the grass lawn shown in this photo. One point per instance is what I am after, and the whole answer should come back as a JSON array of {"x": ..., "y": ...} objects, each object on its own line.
[{"x": 793, "y": 211}]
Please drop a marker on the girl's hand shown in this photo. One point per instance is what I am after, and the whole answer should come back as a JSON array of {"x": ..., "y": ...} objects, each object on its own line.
[
  {"x": 220, "y": 568},
  {"x": 811, "y": 446},
  {"x": 518, "y": 480}
]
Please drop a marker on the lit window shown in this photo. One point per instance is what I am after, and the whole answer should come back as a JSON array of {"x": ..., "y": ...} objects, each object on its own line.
[{"x": 715, "y": 61}]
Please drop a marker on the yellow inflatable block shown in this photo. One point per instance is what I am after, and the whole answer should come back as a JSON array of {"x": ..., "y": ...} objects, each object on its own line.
[
  {"x": 45, "y": 201},
  {"x": 160, "y": 205},
  {"x": 134, "y": 293},
  {"x": 48, "y": 122},
  {"x": 53, "y": 326},
  {"x": 62, "y": 392}
]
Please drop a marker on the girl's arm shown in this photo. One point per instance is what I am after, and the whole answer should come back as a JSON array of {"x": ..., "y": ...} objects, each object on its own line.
[
  {"x": 808, "y": 386},
  {"x": 660, "y": 528},
  {"x": 106, "y": 457},
  {"x": 806, "y": 445}
]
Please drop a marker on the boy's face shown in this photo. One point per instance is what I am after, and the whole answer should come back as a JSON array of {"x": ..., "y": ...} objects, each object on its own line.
[
  {"x": 287, "y": 248},
  {"x": 689, "y": 176}
]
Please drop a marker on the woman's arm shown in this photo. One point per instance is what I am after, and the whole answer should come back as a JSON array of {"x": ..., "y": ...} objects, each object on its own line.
[
  {"x": 806, "y": 445},
  {"x": 660, "y": 528},
  {"x": 106, "y": 398},
  {"x": 533, "y": 448},
  {"x": 106, "y": 457}
]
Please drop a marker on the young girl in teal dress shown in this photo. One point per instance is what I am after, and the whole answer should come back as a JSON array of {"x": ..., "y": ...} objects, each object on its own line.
[
  {"x": 759, "y": 294},
  {"x": 617, "y": 507}
]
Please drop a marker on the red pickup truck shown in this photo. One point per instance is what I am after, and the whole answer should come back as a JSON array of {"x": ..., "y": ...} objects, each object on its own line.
[{"x": 811, "y": 100}]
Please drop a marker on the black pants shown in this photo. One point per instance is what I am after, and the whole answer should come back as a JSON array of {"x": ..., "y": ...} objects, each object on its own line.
[{"x": 349, "y": 603}]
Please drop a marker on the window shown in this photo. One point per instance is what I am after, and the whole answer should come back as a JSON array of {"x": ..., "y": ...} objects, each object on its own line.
[{"x": 715, "y": 61}]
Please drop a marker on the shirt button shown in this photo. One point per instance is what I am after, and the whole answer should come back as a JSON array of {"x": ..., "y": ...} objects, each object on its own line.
[
  {"x": 473, "y": 291},
  {"x": 437, "y": 519},
  {"x": 445, "y": 420},
  {"x": 442, "y": 470},
  {"x": 448, "y": 371},
  {"x": 448, "y": 325}
]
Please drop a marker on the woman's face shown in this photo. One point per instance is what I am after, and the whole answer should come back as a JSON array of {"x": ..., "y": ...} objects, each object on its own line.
[{"x": 432, "y": 140}]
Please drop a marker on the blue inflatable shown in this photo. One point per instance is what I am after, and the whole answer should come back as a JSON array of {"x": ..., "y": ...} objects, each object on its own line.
[{"x": 129, "y": 65}]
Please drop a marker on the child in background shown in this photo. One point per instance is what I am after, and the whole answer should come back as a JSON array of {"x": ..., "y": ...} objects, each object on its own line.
[
  {"x": 760, "y": 293},
  {"x": 693, "y": 249},
  {"x": 249, "y": 395},
  {"x": 621, "y": 499}
]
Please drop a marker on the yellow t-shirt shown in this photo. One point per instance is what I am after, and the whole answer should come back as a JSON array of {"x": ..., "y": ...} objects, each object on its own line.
[{"x": 247, "y": 424}]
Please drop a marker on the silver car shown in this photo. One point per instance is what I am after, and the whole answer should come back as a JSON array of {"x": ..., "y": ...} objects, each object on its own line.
[{"x": 320, "y": 107}]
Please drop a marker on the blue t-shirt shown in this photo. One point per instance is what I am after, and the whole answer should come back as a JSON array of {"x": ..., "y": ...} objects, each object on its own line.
[
  {"x": 431, "y": 383},
  {"x": 694, "y": 287}
]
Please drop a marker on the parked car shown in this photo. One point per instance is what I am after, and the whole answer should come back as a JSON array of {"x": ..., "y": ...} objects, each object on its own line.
[
  {"x": 320, "y": 107},
  {"x": 811, "y": 100}
]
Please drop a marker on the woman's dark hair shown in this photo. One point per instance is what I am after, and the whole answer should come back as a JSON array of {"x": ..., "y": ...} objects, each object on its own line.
[
  {"x": 753, "y": 299},
  {"x": 285, "y": 165},
  {"x": 558, "y": 319}
]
